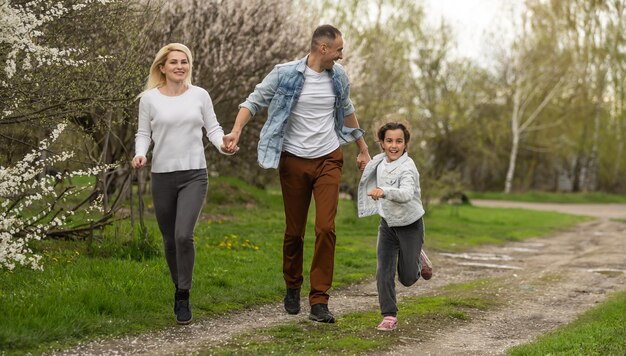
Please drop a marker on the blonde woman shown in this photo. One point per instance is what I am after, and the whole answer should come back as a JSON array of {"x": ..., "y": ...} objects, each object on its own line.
[{"x": 172, "y": 113}]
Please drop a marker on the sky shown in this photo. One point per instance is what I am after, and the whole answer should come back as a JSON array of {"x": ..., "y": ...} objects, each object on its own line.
[{"x": 472, "y": 21}]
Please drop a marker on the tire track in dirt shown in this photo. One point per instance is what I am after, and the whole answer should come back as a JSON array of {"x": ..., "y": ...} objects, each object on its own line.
[{"x": 557, "y": 280}]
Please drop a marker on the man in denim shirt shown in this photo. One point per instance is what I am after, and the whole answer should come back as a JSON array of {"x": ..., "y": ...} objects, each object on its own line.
[{"x": 310, "y": 115}]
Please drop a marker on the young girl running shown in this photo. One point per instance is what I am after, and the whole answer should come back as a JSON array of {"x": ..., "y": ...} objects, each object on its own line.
[{"x": 390, "y": 187}]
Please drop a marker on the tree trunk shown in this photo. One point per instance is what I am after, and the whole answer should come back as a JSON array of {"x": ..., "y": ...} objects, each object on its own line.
[
  {"x": 592, "y": 164},
  {"x": 515, "y": 137},
  {"x": 619, "y": 153}
]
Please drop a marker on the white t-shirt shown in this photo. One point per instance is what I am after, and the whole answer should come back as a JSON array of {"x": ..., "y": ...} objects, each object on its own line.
[
  {"x": 175, "y": 125},
  {"x": 310, "y": 129}
]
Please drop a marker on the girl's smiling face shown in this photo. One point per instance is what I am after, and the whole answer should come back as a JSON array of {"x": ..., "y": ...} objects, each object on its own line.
[{"x": 393, "y": 145}]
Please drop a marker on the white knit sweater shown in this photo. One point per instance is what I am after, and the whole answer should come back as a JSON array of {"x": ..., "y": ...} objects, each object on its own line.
[{"x": 175, "y": 125}]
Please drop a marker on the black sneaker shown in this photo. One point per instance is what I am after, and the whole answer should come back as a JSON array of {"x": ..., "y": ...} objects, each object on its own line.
[
  {"x": 319, "y": 312},
  {"x": 183, "y": 311},
  {"x": 292, "y": 300},
  {"x": 182, "y": 308}
]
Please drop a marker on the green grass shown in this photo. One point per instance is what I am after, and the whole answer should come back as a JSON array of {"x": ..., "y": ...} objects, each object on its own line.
[
  {"x": 457, "y": 228},
  {"x": 545, "y": 197},
  {"x": 599, "y": 331},
  {"x": 355, "y": 333},
  {"x": 105, "y": 288}
]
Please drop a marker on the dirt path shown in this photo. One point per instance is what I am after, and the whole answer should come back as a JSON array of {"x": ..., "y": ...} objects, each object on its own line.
[
  {"x": 552, "y": 280},
  {"x": 603, "y": 211},
  {"x": 558, "y": 278}
]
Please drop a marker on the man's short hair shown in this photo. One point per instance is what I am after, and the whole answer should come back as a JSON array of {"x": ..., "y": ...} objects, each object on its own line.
[{"x": 322, "y": 32}]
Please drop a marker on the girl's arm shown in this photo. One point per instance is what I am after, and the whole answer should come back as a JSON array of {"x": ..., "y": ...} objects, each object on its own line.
[{"x": 404, "y": 192}]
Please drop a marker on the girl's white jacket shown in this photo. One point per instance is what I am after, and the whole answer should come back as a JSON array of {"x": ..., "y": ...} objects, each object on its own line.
[{"x": 402, "y": 204}]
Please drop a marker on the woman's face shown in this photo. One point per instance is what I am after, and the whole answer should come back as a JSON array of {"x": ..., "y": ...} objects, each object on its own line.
[
  {"x": 176, "y": 67},
  {"x": 393, "y": 145}
]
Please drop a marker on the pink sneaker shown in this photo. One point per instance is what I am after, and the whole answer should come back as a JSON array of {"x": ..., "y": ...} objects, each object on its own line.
[
  {"x": 427, "y": 266},
  {"x": 389, "y": 323}
]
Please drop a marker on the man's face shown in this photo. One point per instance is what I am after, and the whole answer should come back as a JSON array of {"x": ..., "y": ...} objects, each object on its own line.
[{"x": 331, "y": 51}]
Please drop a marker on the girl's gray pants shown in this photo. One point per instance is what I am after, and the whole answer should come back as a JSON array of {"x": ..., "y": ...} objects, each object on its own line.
[
  {"x": 397, "y": 247},
  {"x": 178, "y": 198}
]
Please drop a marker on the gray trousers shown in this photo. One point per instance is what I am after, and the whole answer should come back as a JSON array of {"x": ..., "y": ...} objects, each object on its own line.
[
  {"x": 397, "y": 247},
  {"x": 178, "y": 198}
]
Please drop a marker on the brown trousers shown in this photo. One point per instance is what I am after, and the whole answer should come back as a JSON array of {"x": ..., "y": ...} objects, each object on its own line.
[{"x": 301, "y": 178}]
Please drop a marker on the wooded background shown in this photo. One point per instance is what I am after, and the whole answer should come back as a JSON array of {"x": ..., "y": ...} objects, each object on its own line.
[{"x": 543, "y": 112}]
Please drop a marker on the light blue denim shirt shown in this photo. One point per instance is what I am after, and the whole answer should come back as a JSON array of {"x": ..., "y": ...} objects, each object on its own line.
[
  {"x": 402, "y": 203},
  {"x": 279, "y": 92}
]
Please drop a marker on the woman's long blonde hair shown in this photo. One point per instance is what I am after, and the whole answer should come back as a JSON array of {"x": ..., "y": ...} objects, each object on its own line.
[{"x": 156, "y": 79}]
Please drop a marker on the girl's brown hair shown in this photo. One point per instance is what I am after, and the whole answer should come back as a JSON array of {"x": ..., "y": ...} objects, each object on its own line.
[{"x": 394, "y": 126}]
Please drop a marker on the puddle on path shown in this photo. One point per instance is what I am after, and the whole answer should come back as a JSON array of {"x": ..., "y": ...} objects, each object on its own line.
[
  {"x": 531, "y": 244},
  {"x": 487, "y": 265},
  {"x": 606, "y": 270},
  {"x": 520, "y": 249},
  {"x": 478, "y": 256}
]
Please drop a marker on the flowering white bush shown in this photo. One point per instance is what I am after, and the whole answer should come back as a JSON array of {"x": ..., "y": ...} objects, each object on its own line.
[
  {"x": 20, "y": 28},
  {"x": 30, "y": 206},
  {"x": 28, "y": 203}
]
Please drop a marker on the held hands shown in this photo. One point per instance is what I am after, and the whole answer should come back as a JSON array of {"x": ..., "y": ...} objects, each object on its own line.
[
  {"x": 362, "y": 159},
  {"x": 230, "y": 143},
  {"x": 138, "y": 162},
  {"x": 376, "y": 193},
  {"x": 228, "y": 150}
]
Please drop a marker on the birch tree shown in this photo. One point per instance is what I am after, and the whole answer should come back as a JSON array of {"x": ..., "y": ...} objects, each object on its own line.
[
  {"x": 594, "y": 56},
  {"x": 534, "y": 75},
  {"x": 593, "y": 34},
  {"x": 607, "y": 42},
  {"x": 617, "y": 57}
]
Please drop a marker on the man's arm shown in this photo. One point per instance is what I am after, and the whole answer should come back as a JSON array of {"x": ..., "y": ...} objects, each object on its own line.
[
  {"x": 232, "y": 139},
  {"x": 260, "y": 98},
  {"x": 364, "y": 156}
]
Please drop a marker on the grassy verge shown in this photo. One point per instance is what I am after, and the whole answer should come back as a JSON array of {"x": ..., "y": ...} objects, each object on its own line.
[
  {"x": 544, "y": 197},
  {"x": 600, "y": 331},
  {"x": 106, "y": 288},
  {"x": 458, "y": 228},
  {"x": 355, "y": 333}
]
